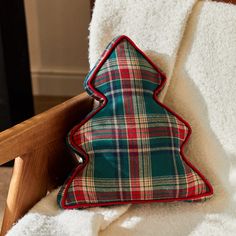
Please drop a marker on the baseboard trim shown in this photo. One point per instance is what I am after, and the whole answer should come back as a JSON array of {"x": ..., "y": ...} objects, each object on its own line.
[{"x": 57, "y": 83}]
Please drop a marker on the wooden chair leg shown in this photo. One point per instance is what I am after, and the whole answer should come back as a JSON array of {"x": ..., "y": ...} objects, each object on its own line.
[
  {"x": 33, "y": 175},
  {"x": 22, "y": 192}
]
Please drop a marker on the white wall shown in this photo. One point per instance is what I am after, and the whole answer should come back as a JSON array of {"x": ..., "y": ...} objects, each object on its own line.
[{"x": 58, "y": 45}]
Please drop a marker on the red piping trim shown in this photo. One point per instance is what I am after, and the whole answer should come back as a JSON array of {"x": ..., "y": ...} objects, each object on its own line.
[{"x": 155, "y": 93}]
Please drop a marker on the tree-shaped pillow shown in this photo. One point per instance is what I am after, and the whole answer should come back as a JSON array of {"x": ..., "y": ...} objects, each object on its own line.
[{"x": 131, "y": 145}]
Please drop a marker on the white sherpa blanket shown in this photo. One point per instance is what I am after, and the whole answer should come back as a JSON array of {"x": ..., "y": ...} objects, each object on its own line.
[{"x": 200, "y": 60}]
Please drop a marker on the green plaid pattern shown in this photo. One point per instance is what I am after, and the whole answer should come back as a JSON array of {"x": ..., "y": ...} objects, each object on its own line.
[{"x": 131, "y": 145}]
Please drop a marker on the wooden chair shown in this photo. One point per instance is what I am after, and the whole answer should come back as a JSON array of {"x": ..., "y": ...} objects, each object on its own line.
[{"x": 41, "y": 159}]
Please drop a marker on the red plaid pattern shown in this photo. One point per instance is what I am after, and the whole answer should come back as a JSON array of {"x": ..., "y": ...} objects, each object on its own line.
[{"x": 131, "y": 145}]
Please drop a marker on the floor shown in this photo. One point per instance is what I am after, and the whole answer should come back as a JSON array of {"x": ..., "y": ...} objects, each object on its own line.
[
  {"x": 41, "y": 103},
  {"x": 5, "y": 175}
]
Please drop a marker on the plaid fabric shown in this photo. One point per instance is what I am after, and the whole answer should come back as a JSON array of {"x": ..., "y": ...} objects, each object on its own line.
[{"x": 131, "y": 144}]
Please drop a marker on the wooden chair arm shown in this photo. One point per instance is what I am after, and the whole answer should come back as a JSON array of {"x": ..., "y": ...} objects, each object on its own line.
[
  {"x": 42, "y": 129},
  {"x": 41, "y": 159}
]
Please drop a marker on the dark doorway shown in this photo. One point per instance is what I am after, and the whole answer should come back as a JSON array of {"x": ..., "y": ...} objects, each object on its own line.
[{"x": 16, "y": 101}]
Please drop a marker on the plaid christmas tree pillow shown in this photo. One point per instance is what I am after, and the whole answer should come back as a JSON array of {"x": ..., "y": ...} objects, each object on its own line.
[{"x": 130, "y": 148}]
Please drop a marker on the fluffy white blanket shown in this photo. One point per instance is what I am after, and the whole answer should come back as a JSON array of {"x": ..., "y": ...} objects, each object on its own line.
[{"x": 198, "y": 53}]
